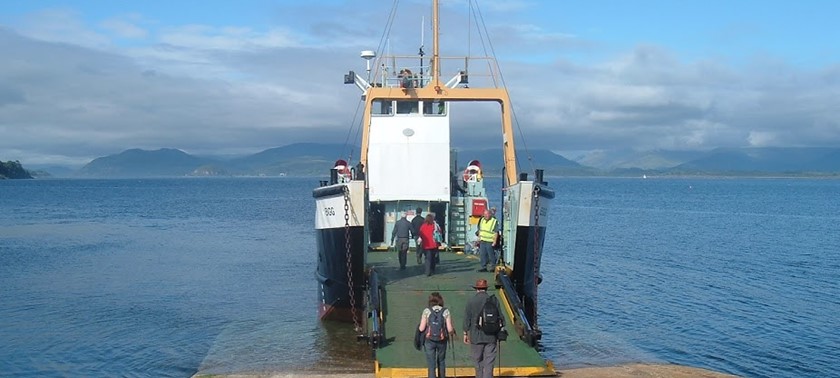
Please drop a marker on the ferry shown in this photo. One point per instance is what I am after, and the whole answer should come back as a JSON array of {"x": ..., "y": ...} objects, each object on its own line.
[{"x": 406, "y": 162}]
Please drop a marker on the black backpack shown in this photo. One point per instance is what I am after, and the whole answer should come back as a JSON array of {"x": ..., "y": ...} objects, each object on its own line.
[
  {"x": 490, "y": 321},
  {"x": 436, "y": 326}
]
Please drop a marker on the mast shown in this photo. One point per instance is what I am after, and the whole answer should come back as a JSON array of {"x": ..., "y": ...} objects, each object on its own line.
[
  {"x": 422, "y": 43},
  {"x": 435, "y": 44},
  {"x": 437, "y": 91}
]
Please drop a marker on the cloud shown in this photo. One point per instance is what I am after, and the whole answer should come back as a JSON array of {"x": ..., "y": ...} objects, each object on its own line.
[
  {"x": 81, "y": 102},
  {"x": 125, "y": 28},
  {"x": 68, "y": 90},
  {"x": 498, "y": 6},
  {"x": 202, "y": 37},
  {"x": 649, "y": 99},
  {"x": 62, "y": 25}
]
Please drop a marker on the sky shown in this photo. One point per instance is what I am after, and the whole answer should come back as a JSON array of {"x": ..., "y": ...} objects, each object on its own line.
[{"x": 84, "y": 79}]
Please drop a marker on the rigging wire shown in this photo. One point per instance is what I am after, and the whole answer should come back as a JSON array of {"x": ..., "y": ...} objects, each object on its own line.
[
  {"x": 483, "y": 45},
  {"x": 512, "y": 108},
  {"x": 384, "y": 37},
  {"x": 350, "y": 131},
  {"x": 386, "y": 33},
  {"x": 469, "y": 30}
]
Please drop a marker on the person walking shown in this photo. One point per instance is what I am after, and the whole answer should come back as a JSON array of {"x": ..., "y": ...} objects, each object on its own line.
[
  {"x": 488, "y": 236},
  {"x": 482, "y": 344},
  {"x": 436, "y": 324},
  {"x": 402, "y": 232},
  {"x": 427, "y": 241},
  {"x": 416, "y": 222}
]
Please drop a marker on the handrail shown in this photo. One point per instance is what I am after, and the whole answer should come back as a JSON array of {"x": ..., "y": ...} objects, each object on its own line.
[
  {"x": 375, "y": 306},
  {"x": 523, "y": 328},
  {"x": 389, "y": 69}
]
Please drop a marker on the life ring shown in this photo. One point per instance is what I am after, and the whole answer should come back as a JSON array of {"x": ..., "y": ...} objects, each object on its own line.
[
  {"x": 342, "y": 168},
  {"x": 472, "y": 174}
]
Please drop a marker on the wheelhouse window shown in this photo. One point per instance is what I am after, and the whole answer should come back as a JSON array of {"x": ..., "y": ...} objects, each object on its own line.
[
  {"x": 434, "y": 107},
  {"x": 382, "y": 107},
  {"x": 408, "y": 107}
]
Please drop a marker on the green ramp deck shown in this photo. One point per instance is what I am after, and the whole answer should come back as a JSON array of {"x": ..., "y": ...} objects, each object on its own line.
[{"x": 406, "y": 294}]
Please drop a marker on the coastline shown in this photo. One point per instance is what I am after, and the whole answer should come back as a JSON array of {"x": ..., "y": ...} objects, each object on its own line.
[{"x": 620, "y": 371}]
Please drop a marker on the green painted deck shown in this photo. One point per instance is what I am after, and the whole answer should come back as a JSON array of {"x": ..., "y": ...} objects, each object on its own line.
[{"x": 406, "y": 295}]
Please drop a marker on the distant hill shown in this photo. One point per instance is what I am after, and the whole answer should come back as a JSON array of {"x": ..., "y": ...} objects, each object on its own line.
[
  {"x": 294, "y": 159},
  {"x": 492, "y": 161},
  {"x": 766, "y": 160},
  {"x": 13, "y": 170},
  {"x": 304, "y": 159},
  {"x": 52, "y": 170},
  {"x": 143, "y": 163},
  {"x": 622, "y": 159}
]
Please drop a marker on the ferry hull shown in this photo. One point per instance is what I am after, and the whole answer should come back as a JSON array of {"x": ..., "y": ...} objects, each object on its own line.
[
  {"x": 331, "y": 274},
  {"x": 528, "y": 265}
]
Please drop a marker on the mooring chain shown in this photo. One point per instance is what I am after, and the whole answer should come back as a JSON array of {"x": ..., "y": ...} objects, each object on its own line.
[
  {"x": 349, "y": 257},
  {"x": 536, "y": 249}
]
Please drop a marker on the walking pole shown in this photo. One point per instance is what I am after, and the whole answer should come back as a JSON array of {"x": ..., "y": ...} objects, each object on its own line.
[
  {"x": 499, "y": 354},
  {"x": 454, "y": 366}
]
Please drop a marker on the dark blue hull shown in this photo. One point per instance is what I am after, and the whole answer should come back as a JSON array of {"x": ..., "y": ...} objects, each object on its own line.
[{"x": 331, "y": 273}]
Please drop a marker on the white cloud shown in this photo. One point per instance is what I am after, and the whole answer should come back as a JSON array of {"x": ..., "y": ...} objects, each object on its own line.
[
  {"x": 125, "y": 28},
  {"x": 201, "y": 37},
  {"x": 762, "y": 138},
  {"x": 62, "y": 25},
  {"x": 203, "y": 88}
]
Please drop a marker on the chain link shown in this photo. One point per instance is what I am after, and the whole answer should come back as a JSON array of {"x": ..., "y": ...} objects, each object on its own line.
[
  {"x": 349, "y": 256},
  {"x": 536, "y": 250}
]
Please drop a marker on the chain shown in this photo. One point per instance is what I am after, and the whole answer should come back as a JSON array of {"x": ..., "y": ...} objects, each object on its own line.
[
  {"x": 536, "y": 249},
  {"x": 356, "y": 325}
]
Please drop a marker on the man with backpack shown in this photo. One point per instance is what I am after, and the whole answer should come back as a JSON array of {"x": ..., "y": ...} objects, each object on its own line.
[{"x": 483, "y": 320}]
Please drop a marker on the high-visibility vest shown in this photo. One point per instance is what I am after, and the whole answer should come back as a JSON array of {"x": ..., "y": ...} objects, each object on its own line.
[{"x": 487, "y": 230}]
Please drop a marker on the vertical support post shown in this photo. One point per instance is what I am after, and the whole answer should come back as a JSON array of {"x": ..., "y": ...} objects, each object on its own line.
[
  {"x": 366, "y": 132},
  {"x": 507, "y": 134},
  {"x": 435, "y": 44}
]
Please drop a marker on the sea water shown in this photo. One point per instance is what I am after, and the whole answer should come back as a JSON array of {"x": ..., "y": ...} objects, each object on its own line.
[{"x": 170, "y": 277}]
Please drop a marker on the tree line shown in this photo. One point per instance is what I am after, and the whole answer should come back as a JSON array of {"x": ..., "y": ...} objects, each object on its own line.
[{"x": 13, "y": 170}]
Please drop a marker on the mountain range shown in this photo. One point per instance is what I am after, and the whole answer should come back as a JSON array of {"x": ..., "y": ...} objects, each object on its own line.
[{"x": 306, "y": 159}]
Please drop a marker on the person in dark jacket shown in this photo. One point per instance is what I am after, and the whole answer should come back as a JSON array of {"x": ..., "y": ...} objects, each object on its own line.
[
  {"x": 482, "y": 346},
  {"x": 402, "y": 232},
  {"x": 415, "y": 226}
]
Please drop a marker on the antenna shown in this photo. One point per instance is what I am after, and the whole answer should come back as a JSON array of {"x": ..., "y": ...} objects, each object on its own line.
[
  {"x": 422, "y": 31},
  {"x": 367, "y": 55},
  {"x": 421, "y": 52}
]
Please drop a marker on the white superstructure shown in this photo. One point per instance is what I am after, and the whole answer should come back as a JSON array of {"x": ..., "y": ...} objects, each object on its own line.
[{"x": 408, "y": 151}]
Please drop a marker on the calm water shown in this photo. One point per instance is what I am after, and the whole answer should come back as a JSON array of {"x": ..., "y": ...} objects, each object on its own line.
[{"x": 171, "y": 277}]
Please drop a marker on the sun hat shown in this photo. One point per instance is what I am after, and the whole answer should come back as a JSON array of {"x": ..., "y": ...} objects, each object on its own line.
[{"x": 480, "y": 284}]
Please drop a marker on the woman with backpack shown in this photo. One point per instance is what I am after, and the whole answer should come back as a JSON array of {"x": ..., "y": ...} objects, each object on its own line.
[
  {"x": 427, "y": 241},
  {"x": 436, "y": 324}
]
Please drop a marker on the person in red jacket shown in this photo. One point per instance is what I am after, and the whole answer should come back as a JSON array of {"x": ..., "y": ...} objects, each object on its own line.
[{"x": 427, "y": 241}]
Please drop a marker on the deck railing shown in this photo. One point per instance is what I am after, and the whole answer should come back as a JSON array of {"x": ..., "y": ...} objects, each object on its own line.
[{"x": 396, "y": 71}]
